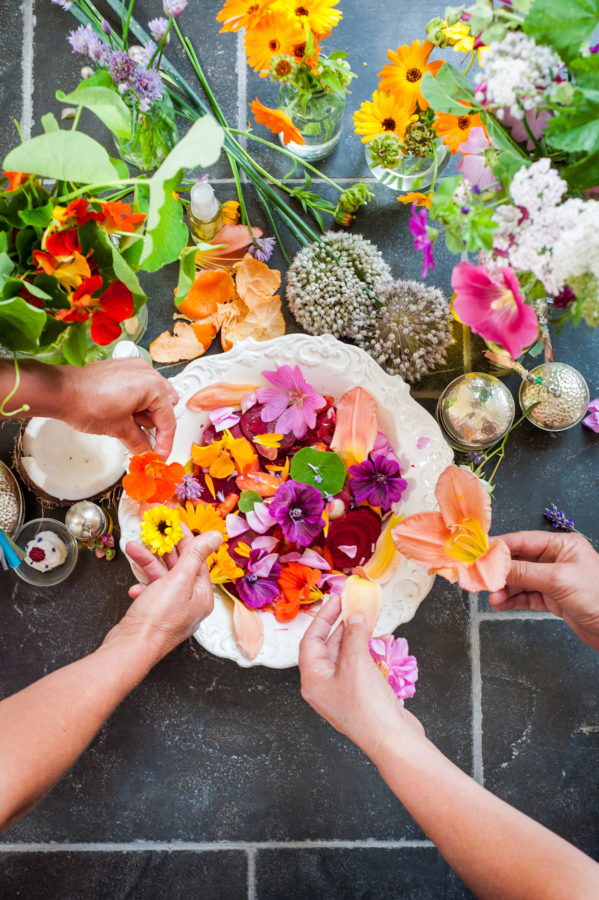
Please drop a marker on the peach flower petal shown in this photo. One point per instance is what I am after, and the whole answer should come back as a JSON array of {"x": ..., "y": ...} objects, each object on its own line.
[{"x": 462, "y": 496}]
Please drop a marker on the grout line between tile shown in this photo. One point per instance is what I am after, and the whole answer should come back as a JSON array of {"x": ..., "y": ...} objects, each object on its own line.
[
  {"x": 251, "y": 855},
  {"x": 487, "y": 616},
  {"x": 242, "y": 94},
  {"x": 249, "y": 847},
  {"x": 477, "y": 711},
  {"x": 27, "y": 68}
]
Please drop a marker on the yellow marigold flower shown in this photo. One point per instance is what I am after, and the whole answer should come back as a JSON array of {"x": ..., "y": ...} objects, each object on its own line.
[
  {"x": 222, "y": 566},
  {"x": 417, "y": 198},
  {"x": 382, "y": 113},
  {"x": 202, "y": 518},
  {"x": 403, "y": 77},
  {"x": 222, "y": 458},
  {"x": 274, "y": 34},
  {"x": 161, "y": 529},
  {"x": 316, "y": 15},
  {"x": 230, "y": 212},
  {"x": 237, "y": 14}
]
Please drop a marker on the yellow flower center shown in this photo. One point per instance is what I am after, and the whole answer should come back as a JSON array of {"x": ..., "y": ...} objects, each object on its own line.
[
  {"x": 413, "y": 75},
  {"x": 505, "y": 300},
  {"x": 468, "y": 541}
]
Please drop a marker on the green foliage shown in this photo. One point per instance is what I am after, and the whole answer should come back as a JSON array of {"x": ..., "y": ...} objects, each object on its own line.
[
  {"x": 99, "y": 94},
  {"x": 20, "y": 325},
  {"x": 321, "y": 469},
  {"x": 187, "y": 272},
  {"x": 471, "y": 230},
  {"x": 562, "y": 25},
  {"x": 65, "y": 156},
  {"x": 446, "y": 89}
]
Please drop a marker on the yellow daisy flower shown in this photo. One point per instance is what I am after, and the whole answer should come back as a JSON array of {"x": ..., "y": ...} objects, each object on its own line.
[
  {"x": 403, "y": 77},
  {"x": 230, "y": 212},
  {"x": 237, "y": 14},
  {"x": 161, "y": 529},
  {"x": 222, "y": 566},
  {"x": 382, "y": 113},
  {"x": 202, "y": 518},
  {"x": 316, "y": 15}
]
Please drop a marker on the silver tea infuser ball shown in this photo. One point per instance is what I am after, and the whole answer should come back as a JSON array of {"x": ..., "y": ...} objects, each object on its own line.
[
  {"x": 563, "y": 405},
  {"x": 84, "y": 519}
]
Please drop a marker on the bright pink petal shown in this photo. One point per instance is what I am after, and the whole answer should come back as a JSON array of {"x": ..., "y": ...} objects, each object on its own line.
[{"x": 236, "y": 525}]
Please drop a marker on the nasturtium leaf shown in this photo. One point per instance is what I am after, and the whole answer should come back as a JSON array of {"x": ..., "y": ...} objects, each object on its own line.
[
  {"x": 199, "y": 147},
  {"x": 75, "y": 346},
  {"x": 187, "y": 273},
  {"x": 49, "y": 123},
  {"x": 446, "y": 89},
  {"x": 39, "y": 217},
  {"x": 20, "y": 325},
  {"x": 321, "y": 469},
  {"x": 166, "y": 234},
  {"x": 98, "y": 94},
  {"x": 576, "y": 129},
  {"x": 564, "y": 26},
  {"x": 247, "y": 501},
  {"x": 65, "y": 156}
]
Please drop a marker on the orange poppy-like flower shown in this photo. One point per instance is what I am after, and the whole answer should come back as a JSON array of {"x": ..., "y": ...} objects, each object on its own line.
[
  {"x": 78, "y": 210},
  {"x": 70, "y": 273},
  {"x": 317, "y": 16},
  {"x": 276, "y": 121},
  {"x": 61, "y": 244},
  {"x": 298, "y": 585},
  {"x": 274, "y": 34},
  {"x": 455, "y": 129},
  {"x": 118, "y": 216},
  {"x": 417, "y": 198},
  {"x": 237, "y": 14},
  {"x": 15, "y": 179},
  {"x": 151, "y": 479},
  {"x": 455, "y": 542},
  {"x": 404, "y": 76}
]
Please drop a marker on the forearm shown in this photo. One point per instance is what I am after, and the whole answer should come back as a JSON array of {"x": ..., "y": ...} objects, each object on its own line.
[
  {"x": 42, "y": 388},
  {"x": 498, "y": 851},
  {"x": 46, "y": 726}
]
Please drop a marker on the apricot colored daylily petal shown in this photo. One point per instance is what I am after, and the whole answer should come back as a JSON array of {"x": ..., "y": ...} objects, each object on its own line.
[
  {"x": 461, "y": 495},
  {"x": 220, "y": 394},
  {"x": 255, "y": 281},
  {"x": 264, "y": 484},
  {"x": 233, "y": 315},
  {"x": 384, "y": 561},
  {"x": 489, "y": 571},
  {"x": 249, "y": 630},
  {"x": 422, "y": 537},
  {"x": 186, "y": 342},
  {"x": 356, "y": 428},
  {"x": 361, "y": 595},
  {"x": 263, "y": 322}
]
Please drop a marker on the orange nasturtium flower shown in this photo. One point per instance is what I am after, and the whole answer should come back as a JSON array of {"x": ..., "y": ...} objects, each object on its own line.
[
  {"x": 202, "y": 518},
  {"x": 222, "y": 458},
  {"x": 403, "y": 77},
  {"x": 15, "y": 179},
  {"x": 299, "y": 586},
  {"x": 455, "y": 542},
  {"x": 70, "y": 272},
  {"x": 151, "y": 479},
  {"x": 276, "y": 121},
  {"x": 117, "y": 216},
  {"x": 455, "y": 129},
  {"x": 417, "y": 198}
]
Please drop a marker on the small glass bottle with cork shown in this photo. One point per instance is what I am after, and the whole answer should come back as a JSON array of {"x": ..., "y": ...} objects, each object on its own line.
[{"x": 204, "y": 213}]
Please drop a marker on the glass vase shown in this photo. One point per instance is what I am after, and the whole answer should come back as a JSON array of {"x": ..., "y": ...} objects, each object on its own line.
[
  {"x": 412, "y": 173},
  {"x": 153, "y": 137},
  {"x": 317, "y": 116}
]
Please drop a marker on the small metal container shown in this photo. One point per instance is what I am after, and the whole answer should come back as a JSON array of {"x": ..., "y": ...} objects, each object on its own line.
[
  {"x": 12, "y": 508},
  {"x": 475, "y": 411},
  {"x": 84, "y": 519},
  {"x": 562, "y": 407}
]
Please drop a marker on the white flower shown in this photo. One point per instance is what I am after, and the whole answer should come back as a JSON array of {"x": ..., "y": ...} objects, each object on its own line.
[{"x": 516, "y": 74}]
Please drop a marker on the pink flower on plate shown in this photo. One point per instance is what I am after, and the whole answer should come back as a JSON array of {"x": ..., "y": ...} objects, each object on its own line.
[
  {"x": 495, "y": 309},
  {"x": 400, "y": 669},
  {"x": 291, "y": 401},
  {"x": 473, "y": 165},
  {"x": 591, "y": 420}
]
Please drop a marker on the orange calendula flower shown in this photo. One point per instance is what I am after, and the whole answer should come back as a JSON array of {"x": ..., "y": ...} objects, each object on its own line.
[
  {"x": 454, "y": 130},
  {"x": 298, "y": 584},
  {"x": 223, "y": 458},
  {"x": 237, "y": 14},
  {"x": 276, "y": 121},
  {"x": 417, "y": 198},
  {"x": 274, "y": 34},
  {"x": 404, "y": 76},
  {"x": 151, "y": 479},
  {"x": 15, "y": 179},
  {"x": 454, "y": 542},
  {"x": 202, "y": 518},
  {"x": 230, "y": 211},
  {"x": 118, "y": 216},
  {"x": 384, "y": 113},
  {"x": 222, "y": 566},
  {"x": 317, "y": 16}
]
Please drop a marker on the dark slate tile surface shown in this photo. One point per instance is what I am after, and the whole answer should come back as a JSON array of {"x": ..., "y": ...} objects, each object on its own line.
[
  {"x": 541, "y": 725},
  {"x": 10, "y": 75},
  {"x": 368, "y": 874},
  {"x": 138, "y": 875}
]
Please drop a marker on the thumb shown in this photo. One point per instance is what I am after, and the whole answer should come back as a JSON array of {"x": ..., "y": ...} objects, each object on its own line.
[
  {"x": 356, "y": 634},
  {"x": 530, "y": 576},
  {"x": 196, "y": 553}
]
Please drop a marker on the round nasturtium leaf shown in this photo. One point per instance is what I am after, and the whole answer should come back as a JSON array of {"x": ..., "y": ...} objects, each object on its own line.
[
  {"x": 247, "y": 500},
  {"x": 321, "y": 469}
]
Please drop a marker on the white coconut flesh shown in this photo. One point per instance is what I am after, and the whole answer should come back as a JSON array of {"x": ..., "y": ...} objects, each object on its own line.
[{"x": 68, "y": 464}]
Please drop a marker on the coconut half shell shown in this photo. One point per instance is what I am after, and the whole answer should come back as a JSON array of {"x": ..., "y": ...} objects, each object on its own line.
[{"x": 61, "y": 465}]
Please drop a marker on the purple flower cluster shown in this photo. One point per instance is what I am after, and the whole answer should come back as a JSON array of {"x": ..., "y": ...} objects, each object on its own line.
[
  {"x": 558, "y": 518},
  {"x": 262, "y": 248},
  {"x": 259, "y": 585},
  {"x": 122, "y": 68},
  {"x": 158, "y": 28},
  {"x": 148, "y": 87},
  {"x": 377, "y": 481},
  {"x": 189, "y": 489}
]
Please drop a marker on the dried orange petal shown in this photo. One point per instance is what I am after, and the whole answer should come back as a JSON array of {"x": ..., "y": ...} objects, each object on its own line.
[
  {"x": 263, "y": 322},
  {"x": 182, "y": 344},
  {"x": 208, "y": 290},
  {"x": 255, "y": 281}
]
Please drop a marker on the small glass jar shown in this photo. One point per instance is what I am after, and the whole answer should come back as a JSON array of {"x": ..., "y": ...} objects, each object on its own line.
[
  {"x": 475, "y": 411},
  {"x": 318, "y": 117},
  {"x": 12, "y": 508},
  {"x": 412, "y": 173},
  {"x": 563, "y": 405},
  {"x": 153, "y": 136},
  {"x": 33, "y": 530}
]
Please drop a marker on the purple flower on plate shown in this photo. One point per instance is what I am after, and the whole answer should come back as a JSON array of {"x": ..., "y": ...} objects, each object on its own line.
[
  {"x": 422, "y": 241},
  {"x": 259, "y": 585},
  {"x": 591, "y": 420},
  {"x": 399, "y": 669},
  {"x": 377, "y": 481},
  {"x": 291, "y": 401},
  {"x": 298, "y": 510},
  {"x": 262, "y": 248}
]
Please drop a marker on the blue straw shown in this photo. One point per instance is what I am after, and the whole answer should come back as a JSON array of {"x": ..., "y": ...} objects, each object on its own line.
[{"x": 12, "y": 554}]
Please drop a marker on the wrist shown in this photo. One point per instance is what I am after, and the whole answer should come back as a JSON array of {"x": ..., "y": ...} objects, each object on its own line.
[
  {"x": 389, "y": 739},
  {"x": 43, "y": 388},
  {"x": 135, "y": 650}
]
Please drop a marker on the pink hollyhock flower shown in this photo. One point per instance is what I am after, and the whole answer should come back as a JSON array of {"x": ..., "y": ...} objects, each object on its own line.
[
  {"x": 473, "y": 165},
  {"x": 224, "y": 417},
  {"x": 400, "y": 670},
  {"x": 495, "y": 309},
  {"x": 537, "y": 122},
  {"x": 422, "y": 241},
  {"x": 291, "y": 401},
  {"x": 592, "y": 419}
]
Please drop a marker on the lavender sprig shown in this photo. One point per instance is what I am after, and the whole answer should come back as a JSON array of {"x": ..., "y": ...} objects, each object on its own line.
[{"x": 558, "y": 519}]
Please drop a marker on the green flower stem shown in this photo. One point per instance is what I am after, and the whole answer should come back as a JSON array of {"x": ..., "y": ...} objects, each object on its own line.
[
  {"x": 22, "y": 409},
  {"x": 234, "y": 168},
  {"x": 126, "y": 20},
  {"x": 76, "y": 119},
  {"x": 97, "y": 187},
  {"x": 500, "y": 450},
  {"x": 435, "y": 164},
  {"x": 160, "y": 48}
]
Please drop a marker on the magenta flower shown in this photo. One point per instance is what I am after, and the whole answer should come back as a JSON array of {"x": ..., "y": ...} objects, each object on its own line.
[
  {"x": 565, "y": 297},
  {"x": 422, "y": 241},
  {"x": 494, "y": 309},
  {"x": 591, "y": 420},
  {"x": 377, "y": 481},
  {"x": 291, "y": 401},
  {"x": 259, "y": 585},
  {"x": 298, "y": 510},
  {"x": 400, "y": 670},
  {"x": 473, "y": 165},
  {"x": 262, "y": 248}
]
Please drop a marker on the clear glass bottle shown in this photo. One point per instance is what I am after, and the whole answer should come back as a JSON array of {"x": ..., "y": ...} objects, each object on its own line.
[
  {"x": 318, "y": 116},
  {"x": 204, "y": 213}
]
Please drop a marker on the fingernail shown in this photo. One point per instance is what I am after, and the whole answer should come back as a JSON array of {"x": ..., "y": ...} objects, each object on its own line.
[
  {"x": 215, "y": 538},
  {"x": 356, "y": 619}
]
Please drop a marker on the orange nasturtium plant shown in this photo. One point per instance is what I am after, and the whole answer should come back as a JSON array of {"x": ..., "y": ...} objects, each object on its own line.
[{"x": 151, "y": 479}]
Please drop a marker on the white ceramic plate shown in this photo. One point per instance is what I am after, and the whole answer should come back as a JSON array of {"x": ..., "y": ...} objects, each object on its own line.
[{"x": 332, "y": 368}]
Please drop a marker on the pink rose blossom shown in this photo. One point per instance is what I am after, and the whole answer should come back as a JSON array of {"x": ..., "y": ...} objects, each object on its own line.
[
  {"x": 400, "y": 670},
  {"x": 592, "y": 419}
]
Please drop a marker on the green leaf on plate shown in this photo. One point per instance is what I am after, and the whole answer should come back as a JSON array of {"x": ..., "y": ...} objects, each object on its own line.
[
  {"x": 321, "y": 469},
  {"x": 247, "y": 500}
]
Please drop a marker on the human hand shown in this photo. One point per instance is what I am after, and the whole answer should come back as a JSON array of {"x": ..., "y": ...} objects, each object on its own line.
[
  {"x": 557, "y": 573},
  {"x": 178, "y": 597},
  {"x": 118, "y": 397},
  {"x": 341, "y": 681}
]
